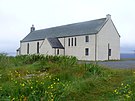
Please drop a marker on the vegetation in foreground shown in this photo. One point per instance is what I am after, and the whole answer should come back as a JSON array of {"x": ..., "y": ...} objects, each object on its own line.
[{"x": 61, "y": 78}]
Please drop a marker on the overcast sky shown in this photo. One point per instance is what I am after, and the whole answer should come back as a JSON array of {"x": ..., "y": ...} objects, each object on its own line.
[{"x": 17, "y": 16}]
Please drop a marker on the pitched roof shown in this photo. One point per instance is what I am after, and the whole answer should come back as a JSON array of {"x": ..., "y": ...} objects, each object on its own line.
[
  {"x": 81, "y": 28},
  {"x": 55, "y": 43}
]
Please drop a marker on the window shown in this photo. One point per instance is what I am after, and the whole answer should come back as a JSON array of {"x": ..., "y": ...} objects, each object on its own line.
[
  {"x": 86, "y": 51},
  {"x": 58, "y": 51},
  {"x": 37, "y": 47},
  {"x": 68, "y": 41},
  {"x": 72, "y": 42},
  {"x": 75, "y": 41},
  {"x": 28, "y": 48},
  {"x": 86, "y": 38},
  {"x": 109, "y": 52}
]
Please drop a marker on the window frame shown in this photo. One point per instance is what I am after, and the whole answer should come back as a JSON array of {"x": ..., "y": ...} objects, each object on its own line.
[
  {"x": 68, "y": 41},
  {"x": 72, "y": 41},
  {"x": 58, "y": 51},
  {"x": 28, "y": 48},
  {"x": 86, "y": 51},
  {"x": 37, "y": 47},
  {"x": 109, "y": 52},
  {"x": 86, "y": 38},
  {"x": 75, "y": 41}
]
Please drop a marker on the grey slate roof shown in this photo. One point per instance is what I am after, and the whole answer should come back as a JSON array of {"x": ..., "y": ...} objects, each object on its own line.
[
  {"x": 55, "y": 43},
  {"x": 81, "y": 28}
]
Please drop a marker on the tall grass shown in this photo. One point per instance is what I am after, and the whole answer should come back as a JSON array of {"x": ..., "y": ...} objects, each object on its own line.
[{"x": 61, "y": 78}]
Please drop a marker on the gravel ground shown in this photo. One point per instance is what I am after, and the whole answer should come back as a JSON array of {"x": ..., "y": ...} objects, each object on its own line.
[
  {"x": 115, "y": 64},
  {"x": 119, "y": 64}
]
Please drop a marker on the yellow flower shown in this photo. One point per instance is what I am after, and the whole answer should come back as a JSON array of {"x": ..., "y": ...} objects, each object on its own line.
[
  {"x": 121, "y": 84},
  {"x": 15, "y": 81},
  {"x": 58, "y": 79},
  {"x": 129, "y": 92},
  {"x": 19, "y": 75},
  {"x": 127, "y": 96},
  {"x": 51, "y": 86},
  {"x": 23, "y": 84},
  {"x": 0, "y": 88}
]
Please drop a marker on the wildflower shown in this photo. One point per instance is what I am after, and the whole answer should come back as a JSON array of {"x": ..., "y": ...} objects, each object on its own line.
[
  {"x": 50, "y": 77},
  {"x": 0, "y": 76},
  {"x": 31, "y": 87},
  {"x": 0, "y": 88},
  {"x": 129, "y": 92},
  {"x": 115, "y": 91},
  {"x": 23, "y": 84},
  {"x": 13, "y": 99},
  {"x": 15, "y": 81},
  {"x": 36, "y": 81},
  {"x": 19, "y": 75},
  {"x": 58, "y": 79},
  {"x": 42, "y": 83},
  {"x": 52, "y": 87},
  {"x": 121, "y": 84},
  {"x": 28, "y": 72},
  {"x": 127, "y": 96}
]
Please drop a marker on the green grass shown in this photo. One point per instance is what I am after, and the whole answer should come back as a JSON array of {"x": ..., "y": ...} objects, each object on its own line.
[{"x": 61, "y": 78}]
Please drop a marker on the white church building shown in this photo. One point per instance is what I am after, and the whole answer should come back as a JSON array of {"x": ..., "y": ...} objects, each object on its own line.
[{"x": 90, "y": 40}]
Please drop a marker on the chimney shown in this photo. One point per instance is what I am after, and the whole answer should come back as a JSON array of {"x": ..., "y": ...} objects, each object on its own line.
[
  {"x": 32, "y": 28},
  {"x": 108, "y": 16}
]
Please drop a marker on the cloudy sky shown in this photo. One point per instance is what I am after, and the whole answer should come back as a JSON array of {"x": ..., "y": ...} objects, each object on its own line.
[{"x": 17, "y": 16}]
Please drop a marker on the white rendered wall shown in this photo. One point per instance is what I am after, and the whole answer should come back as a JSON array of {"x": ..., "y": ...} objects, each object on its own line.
[
  {"x": 44, "y": 47},
  {"x": 108, "y": 35},
  {"x": 79, "y": 49}
]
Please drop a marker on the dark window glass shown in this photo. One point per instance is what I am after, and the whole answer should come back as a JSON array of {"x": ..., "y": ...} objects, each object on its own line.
[
  {"x": 37, "y": 47},
  {"x": 58, "y": 51},
  {"x": 109, "y": 52},
  {"x": 75, "y": 41},
  {"x": 68, "y": 41},
  {"x": 86, "y": 51},
  {"x": 72, "y": 42},
  {"x": 28, "y": 48},
  {"x": 86, "y": 38}
]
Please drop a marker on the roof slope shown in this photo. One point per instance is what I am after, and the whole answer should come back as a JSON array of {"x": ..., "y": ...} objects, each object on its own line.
[
  {"x": 81, "y": 28},
  {"x": 55, "y": 43}
]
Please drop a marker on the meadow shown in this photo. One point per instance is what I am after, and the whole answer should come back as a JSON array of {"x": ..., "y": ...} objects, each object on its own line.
[{"x": 61, "y": 78}]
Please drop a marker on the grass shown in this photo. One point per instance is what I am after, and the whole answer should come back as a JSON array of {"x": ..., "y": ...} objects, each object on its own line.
[{"x": 61, "y": 78}]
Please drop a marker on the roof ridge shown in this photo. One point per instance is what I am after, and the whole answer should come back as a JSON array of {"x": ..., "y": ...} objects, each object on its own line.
[
  {"x": 74, "y": 29},
  {"x": 69, "y": 24}
]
